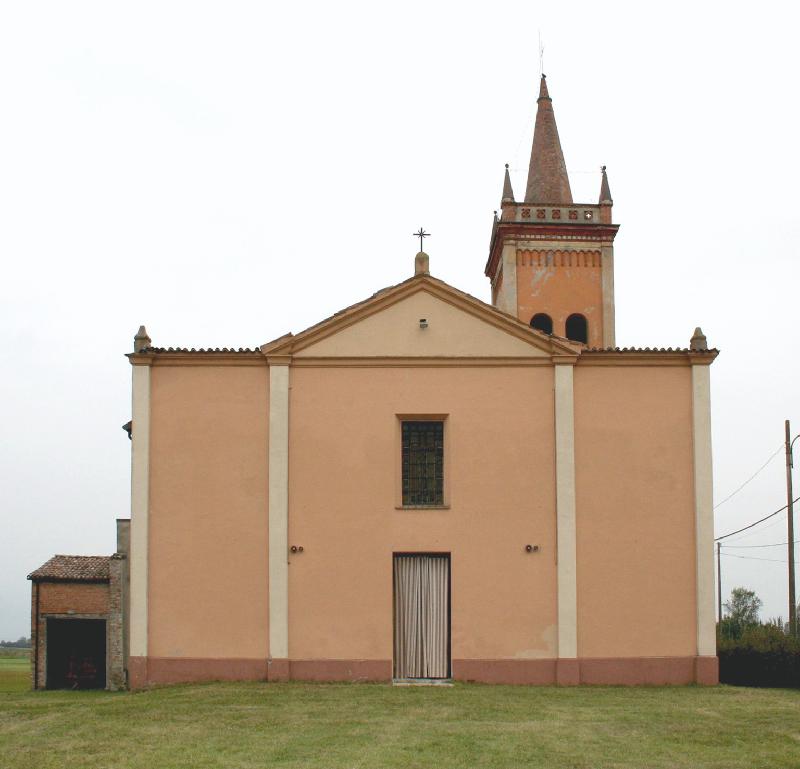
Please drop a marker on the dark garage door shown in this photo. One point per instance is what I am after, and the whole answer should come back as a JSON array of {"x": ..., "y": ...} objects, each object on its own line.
[{"x": 76, "y": 653}]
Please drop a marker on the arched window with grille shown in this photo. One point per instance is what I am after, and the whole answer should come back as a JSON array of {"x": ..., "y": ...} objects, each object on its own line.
[
  {"x": 542, "y": 322},
  {"x": 578, "y": 328}
]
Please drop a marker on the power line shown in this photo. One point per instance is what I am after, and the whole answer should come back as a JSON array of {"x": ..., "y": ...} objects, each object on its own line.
[
  {"x": 752, "y": 558},
  {"x": 737, "y": 490},
  {"x": 755, "y": 523},
  {"x": 774, "y": 544},
  {"x": 766, "y": 527}
]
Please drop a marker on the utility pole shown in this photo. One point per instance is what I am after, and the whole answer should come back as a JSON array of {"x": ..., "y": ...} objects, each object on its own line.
[
  {"x": 719, "y": 583},
  {"x": 790, "y": 528}
]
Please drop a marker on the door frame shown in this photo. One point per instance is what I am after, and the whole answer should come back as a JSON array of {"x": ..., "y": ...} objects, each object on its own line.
[
  {"x": 433, "y": 554},
  {"x": 48, "y": 628}
]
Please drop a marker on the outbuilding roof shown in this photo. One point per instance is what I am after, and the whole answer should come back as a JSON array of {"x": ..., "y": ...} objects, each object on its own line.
[{"x": 73, "y": 568}]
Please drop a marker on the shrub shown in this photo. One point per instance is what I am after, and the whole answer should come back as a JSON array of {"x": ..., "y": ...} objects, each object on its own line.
[{"x": 757, "y": 655}]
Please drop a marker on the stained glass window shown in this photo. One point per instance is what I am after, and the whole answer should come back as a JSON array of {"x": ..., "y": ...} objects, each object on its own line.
[{"x": 423, "y": 463}]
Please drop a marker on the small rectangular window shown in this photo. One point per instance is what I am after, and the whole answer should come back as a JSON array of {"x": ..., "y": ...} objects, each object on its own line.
[{"x": 423, "y": 463}]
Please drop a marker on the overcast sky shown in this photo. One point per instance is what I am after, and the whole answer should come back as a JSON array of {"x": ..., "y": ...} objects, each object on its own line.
[{"x": 227, "y": 172}]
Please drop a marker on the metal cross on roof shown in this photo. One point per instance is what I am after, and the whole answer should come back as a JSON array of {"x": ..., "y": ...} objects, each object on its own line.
[{"x": 421, "y": 234}]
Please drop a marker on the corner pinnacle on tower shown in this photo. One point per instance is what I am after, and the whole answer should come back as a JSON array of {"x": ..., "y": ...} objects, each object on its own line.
[
  {"x": 605, "y": 190},
  {"x": 547, "y": 173},
  {"x": 508, "y": 192}
]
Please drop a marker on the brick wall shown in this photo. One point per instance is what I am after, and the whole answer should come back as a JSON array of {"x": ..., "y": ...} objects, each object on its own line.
[
  {"x": 115, "y": 651},
  {"x": 35, "y": 636},
  {"x": 78, "y": 597}
]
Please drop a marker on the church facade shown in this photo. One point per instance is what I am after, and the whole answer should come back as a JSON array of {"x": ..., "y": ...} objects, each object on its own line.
[{"x": 425, "y": 486}]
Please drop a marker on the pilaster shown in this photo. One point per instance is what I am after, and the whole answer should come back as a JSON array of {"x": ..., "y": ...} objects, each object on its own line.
[
  {"x": 565, "y": 516},
  {"x": 703, "y": 506},
  {"x": 507, "y": 301},
  {"x": 607, "y": 287},
  {"x": 278, "y": 516},
  {"x": 140, "y": 506}
]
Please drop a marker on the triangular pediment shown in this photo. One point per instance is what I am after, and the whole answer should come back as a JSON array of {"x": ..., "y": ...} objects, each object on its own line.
[{"x": 421, "y": 318}]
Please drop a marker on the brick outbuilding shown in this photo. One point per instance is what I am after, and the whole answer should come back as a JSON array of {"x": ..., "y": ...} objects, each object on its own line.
[{"x": 78, "y": 620}]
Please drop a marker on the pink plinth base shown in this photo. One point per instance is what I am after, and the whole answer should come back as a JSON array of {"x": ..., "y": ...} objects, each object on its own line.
[
  {"x": 626, "y": 671},
  {"x": 277, "y": 669},
  {"x": 706, "y": 670},
  {"x": 538, "y": 672},
  {"x": 568, "y": 672},
  {"x": 178, "y": 670},
  {"x": 637, "y": 671},
  {"x": 341, "y": 670},
  {"x": 137, "y": 672}
]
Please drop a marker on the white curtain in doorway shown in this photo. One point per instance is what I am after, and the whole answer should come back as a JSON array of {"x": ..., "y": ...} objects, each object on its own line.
[{"x": 421, "y": 616}]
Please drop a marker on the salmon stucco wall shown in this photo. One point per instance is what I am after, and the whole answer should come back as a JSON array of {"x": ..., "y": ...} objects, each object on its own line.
[
  {"x": 344, "y": 498},
  {"x": 208, "y": 512},
  {"x": 561, "y": 282},
  {"x": 635, "y": 511}
]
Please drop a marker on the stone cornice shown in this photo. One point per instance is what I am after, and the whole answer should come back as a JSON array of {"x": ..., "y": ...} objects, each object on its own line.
[
  {"x": 140, "y": 358},
  {"x": 585, "y": 357},
  {"x": 196, "y": 358},
  {"x": 702, "y": 359},
  {"x": 647, "y": 358},
  {"x": 421, "y": 362},
  {"x": 565, "y": 360}
]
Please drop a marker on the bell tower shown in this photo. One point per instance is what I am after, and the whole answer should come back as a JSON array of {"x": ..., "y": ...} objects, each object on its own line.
[{"x": 551, "y": 261}]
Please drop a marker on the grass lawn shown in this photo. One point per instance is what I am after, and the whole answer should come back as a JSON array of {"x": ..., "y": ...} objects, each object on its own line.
[
  {"x": 15, "y": 670},
  {"x": 371, "y": 725}
]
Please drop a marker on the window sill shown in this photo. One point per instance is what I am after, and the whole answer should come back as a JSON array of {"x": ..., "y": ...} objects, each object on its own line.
[{"x": 422, "y": 507}]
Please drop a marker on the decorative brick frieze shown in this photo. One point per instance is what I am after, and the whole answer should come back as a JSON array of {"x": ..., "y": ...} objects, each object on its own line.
[
  {"x": 581, "y": 214},
  {"x": 558, "y": 258}
]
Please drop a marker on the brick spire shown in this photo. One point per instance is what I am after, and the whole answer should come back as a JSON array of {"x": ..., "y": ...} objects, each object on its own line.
[{"x": 547, "y": 174}]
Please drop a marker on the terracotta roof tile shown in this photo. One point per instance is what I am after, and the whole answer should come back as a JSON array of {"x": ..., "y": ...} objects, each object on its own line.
[
  {"x": 74, "y": 568},
  {"x": 650, "y": 350},
  {"x": 205, "y": 350}
]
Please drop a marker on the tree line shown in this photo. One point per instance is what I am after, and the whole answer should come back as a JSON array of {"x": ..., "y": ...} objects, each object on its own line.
[
  {"x": 20, "y": 643},
  {"x": 755, "y": 653}
]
